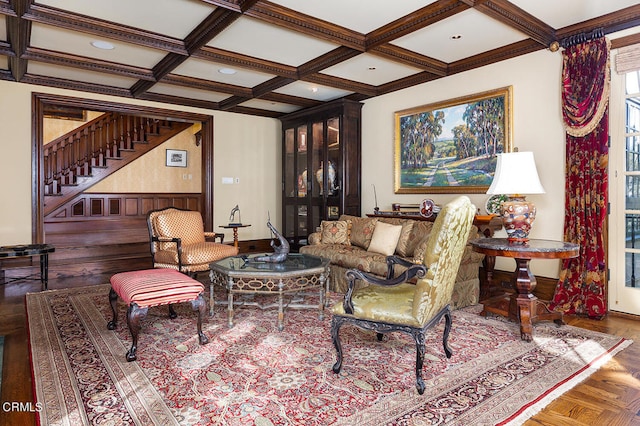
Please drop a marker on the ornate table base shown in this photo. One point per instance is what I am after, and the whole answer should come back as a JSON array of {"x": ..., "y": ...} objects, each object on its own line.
[
  {"x": 522, "y": 307},
  {"x": 297, "y": 276}
]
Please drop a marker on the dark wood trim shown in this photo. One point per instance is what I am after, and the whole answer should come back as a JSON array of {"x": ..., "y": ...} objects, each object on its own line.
[
  {"x": 518, "y": 19},
  {"x": 287, "y": 18},
  {"x": 57, "y": 58},
  {"x": 616, "y": 21},
  {"x": 236, "y": 59},
  {"x": 75, "y": 22},
  {"x": 496, "y": 55},
  {"x": 426, "y": 16},
  {"x": 412, "y": 59}
]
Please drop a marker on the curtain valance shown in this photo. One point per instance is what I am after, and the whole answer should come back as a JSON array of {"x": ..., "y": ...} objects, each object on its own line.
[{"x": 585, "y": 85}]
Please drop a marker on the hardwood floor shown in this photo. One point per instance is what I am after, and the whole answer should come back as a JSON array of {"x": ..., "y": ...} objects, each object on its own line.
[{"x": 610, "y": 396}]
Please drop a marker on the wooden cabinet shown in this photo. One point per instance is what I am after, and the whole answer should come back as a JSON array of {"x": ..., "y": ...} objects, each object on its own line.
[{"x": 321, "y": 158}]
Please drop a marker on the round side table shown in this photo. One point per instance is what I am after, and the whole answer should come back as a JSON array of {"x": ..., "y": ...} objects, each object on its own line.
[
  {"x": 522, "y": 306},
  {"x": 235, "y": 227}
]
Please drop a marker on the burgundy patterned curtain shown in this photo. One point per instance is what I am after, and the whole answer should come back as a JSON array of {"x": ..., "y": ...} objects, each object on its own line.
[{"x": 581, "y": 288}]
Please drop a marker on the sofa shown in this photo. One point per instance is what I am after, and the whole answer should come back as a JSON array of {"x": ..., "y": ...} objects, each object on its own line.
[{"x": 365, "y": 242}]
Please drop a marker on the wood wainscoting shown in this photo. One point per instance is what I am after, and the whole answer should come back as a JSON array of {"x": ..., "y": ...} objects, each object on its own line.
[{"x": 102, "y": 234}]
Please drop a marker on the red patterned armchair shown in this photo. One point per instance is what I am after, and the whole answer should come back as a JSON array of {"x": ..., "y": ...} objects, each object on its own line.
[{"x": 178, "y": 241}]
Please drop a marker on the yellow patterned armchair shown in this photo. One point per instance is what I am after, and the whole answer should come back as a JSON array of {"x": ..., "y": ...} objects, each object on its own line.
[
  {"x": 395, "y": 305},
  {"x": 178, "y": 241}
]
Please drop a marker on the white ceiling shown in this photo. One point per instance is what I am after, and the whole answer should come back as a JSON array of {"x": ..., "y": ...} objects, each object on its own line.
[{"x": 160, "y": 53}]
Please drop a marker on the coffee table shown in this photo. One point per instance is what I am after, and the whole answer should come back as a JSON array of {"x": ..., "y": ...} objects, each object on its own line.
[{"x": 298, "y": 275}]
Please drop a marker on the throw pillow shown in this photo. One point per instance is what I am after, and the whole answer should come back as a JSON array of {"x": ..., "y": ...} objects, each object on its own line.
[
  {"x": 403, "y": 242},
  {"x": 362, "y": 231},
  {"x": 335, "y": 232},
  {"x": 385, "y": 238}
]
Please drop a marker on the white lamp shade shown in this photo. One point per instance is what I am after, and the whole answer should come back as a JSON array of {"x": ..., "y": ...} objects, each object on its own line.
[{"x": 516, "y": 173}]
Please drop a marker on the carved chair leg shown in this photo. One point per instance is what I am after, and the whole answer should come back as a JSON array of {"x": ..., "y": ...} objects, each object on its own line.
[
  {"x": 445, "y": 336},
  {"x": 113, "y": 299},
  {"x": 420, "y": 342},
  {"x": 379, "y": 336},
  {"x": 134, "y": 315},
  {"x": 172, "y": 312},
  {"x": 336, "y": 322},
  {"x": 200, "y": 305}
]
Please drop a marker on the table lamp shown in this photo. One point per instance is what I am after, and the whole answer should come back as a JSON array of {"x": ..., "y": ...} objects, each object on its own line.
[{"x": 515, "y": 176}]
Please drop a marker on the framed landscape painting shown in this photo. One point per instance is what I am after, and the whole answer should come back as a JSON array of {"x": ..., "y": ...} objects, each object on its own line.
[{"x": 451, "y": 146}]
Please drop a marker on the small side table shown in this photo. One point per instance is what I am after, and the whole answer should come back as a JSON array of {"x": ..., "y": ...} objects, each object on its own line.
[
  {"x": 235, "y": 227},
  {"x": 522, "y": 306},
  {"x": 30, "y": 250}
]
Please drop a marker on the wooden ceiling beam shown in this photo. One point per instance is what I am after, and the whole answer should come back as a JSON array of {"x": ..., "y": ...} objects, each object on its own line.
[
  {"x": 238, "y": 60},
  {"x": 327, "y": 60},
  {"x": 305, "y": 24},
  {"x": 518, "y": 19},
  {"x": 208, "y": 85},
  {"x": 18, "y": 31},
  {"x": 407, "y": 57},
  {"x": 496, "y": 55},
  {"x": 111, "y": 30},
  {"x": 610, "y": 23},
  {"x": 419, "y": 19},
  {"x": 89, "y": 64},
  {"x": 341, "y": 83}
]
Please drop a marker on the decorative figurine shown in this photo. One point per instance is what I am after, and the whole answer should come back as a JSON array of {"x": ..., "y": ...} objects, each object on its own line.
[
  {"x": 232, "y": 216},
  {"x": 281, "y": 251}
]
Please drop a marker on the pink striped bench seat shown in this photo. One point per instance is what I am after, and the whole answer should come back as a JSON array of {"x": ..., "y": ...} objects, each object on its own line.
[{"x": 141, "y": 290}]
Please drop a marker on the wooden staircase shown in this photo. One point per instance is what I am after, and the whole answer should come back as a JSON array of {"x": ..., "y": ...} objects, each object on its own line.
[
  {"x": 79, "y": 159},
  {"x": 97, "y": 234}
]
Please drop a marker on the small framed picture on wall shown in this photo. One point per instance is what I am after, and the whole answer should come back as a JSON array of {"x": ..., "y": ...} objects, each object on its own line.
[{"x": 176, "y": 158}]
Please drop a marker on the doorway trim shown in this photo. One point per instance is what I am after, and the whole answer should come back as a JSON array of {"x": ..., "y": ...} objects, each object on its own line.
[{"x": 41, "y": 101}]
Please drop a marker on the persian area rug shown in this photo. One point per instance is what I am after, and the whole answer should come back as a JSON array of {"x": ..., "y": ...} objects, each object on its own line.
[{"x": 252, "y": 374}]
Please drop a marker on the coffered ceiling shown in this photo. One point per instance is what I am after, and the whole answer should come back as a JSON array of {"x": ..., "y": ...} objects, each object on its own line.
[{"x": 274, "y": 57}]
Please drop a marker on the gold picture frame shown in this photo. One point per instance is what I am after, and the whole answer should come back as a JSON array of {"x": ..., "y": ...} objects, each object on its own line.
[{"x": 451, "y": 146}]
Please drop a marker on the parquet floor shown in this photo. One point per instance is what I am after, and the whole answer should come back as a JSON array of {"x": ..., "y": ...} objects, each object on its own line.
[{"x": 611, "y": 396}]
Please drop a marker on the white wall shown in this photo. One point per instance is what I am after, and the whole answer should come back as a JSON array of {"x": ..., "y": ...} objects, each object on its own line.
[
  {"x": 246, "y": 147},
  {"x": 537, "y": 127}
]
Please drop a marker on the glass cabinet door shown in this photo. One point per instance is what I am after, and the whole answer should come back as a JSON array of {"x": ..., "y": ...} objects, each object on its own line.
[{"x": 334, "y": 169}]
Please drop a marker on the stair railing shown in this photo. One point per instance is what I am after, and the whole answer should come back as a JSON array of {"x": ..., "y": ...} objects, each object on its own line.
[{"x": 74, "y": 154}]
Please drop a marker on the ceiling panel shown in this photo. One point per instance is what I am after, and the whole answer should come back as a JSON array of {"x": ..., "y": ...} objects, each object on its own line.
[
  {"x": 74, "y": 74},
  {"x": 187, "y": 92},
  {"x": 560, "y": 14},
  {"x": 207, "y": 70},
  {"x": 370, "y": 69},
  {"x": 466, "y": 34},
  {"x": 270, "y": 106},
  {"x": 57, "y": 39},
  {"x": 3, "y": 28},
  {"x": 362, "y": 16},
  {"x": 261, "y": 40},
  {"x": 317, "y": 92},
  {"x": 175, "y": 18}
]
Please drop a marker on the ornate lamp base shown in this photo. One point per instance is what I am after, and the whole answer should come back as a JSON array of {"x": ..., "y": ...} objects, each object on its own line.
[{"x": 517, "y": 217}]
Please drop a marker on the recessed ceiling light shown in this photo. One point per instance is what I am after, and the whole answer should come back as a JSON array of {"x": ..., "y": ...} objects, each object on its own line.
[
  {"x": 456, "y": 37},
  {"x": 104, "y": 45},
  {"x": 314, "y": 89},
  {"x": 228, "y": 71}
]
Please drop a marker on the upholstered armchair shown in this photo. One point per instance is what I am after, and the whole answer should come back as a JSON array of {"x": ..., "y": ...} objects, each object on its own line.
[
  {"x": 178, "y": 241},
  {"x": 393, "y": 304}
]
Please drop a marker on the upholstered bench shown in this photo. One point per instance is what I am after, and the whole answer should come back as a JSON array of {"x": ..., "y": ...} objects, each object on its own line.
[{"x": 141, "y": 290}]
